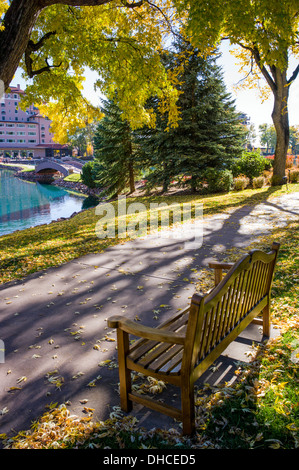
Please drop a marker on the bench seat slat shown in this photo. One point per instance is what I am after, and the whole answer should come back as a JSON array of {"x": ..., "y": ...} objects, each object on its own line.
[
  {"x": 172, "y": 356},
  {"x": 141, "y": 347}
]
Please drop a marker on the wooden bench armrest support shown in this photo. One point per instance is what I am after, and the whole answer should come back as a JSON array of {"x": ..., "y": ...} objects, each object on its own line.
[
  {"x": 146, "y": 332},
  {"x": 218, "y": 267}
]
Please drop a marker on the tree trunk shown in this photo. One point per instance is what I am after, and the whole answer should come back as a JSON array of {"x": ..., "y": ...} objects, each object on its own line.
[
  {"x": 131, "y": 177},
  {"x": 280, "y": 119},
  {"x": 18, "y": 23}
]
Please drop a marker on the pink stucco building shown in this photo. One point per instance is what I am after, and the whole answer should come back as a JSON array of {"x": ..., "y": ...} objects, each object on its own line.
[{"x": 25, "y": 133}]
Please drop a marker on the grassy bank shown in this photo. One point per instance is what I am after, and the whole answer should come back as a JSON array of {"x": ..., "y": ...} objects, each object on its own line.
[{"x": 38, "y": 248}]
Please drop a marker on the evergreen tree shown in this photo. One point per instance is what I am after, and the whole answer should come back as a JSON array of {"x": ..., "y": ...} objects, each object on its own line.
[
  {"x": 209, "y": 133},
  {"x": 114, "y": 151}
]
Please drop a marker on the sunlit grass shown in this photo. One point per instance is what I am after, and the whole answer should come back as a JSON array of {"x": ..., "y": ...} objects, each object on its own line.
[{"x": 74, "y": 177}]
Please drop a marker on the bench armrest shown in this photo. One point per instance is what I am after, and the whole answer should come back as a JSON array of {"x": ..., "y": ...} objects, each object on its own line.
[
  {"x": 220, "y": 265},
  {"x": 146, "y": 332}
]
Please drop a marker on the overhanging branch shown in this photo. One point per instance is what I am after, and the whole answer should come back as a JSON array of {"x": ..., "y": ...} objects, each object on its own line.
[
  {"x": 256, "y": 55},
  {"x": 294, "y": 75},
  {"x": 34, "y": 47}
]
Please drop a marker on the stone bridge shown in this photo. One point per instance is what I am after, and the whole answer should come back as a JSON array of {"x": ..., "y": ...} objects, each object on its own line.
[{"x": 46, "y": 165}]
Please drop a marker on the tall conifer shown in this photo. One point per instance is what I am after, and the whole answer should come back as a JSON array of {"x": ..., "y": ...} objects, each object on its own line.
[
  {"x": 209, "y": 133},
  {"x": 114, "y": 150}
]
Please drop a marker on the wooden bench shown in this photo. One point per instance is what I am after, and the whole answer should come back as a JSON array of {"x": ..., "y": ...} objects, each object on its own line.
[{"x": 180, "y": 350}]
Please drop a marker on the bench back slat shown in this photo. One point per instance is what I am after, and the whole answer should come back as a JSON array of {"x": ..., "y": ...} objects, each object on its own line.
[{"x": 238, "y": 293}]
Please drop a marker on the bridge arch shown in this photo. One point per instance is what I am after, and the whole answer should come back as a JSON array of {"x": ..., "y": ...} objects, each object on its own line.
[{"x": 48, "y": 165}]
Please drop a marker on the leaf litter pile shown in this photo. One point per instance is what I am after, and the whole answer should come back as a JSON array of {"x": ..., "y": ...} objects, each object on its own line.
[{"x": 257, "y": 409}]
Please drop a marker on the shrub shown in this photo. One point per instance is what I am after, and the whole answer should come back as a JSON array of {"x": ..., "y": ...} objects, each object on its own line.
[
  {"x": 241, "y": 182},
  {"x": 294, "y": 176},
  {"x": 258, "y": 182},
  {"x": 218, "y": 180},
  {"x": 268, "y": 164},
  {"x": 251, "y": 164},
  {"x": 87, "y": 175}
]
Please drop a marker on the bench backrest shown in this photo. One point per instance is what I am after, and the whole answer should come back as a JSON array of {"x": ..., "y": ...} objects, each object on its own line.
[{"x": 245, "y": 288}]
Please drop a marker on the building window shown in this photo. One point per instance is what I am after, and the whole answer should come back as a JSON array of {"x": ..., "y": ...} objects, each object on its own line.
[
  {"x": 21, "y": 125},
  {"x": 31, "y": 133},
  {"x": 10, "y": 140},
  {"x": 32, "y": 141},
  {"x": 10, "y": 125}
]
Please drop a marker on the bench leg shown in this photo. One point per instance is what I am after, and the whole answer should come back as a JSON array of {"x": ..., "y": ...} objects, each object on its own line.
[
  {"x": 188, "y": 410},
  {"x": 266, "y": 321},
  {"x": 124, "y": 372}
]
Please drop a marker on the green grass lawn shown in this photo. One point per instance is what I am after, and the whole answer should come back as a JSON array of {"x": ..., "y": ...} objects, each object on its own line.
[
  {"x": 258, "y": 411},
  {"x": 73, "y": 177},
  {"x": 22, "y": 166}
]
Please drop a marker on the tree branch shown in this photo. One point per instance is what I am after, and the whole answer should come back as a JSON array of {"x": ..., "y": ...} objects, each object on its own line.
[
  {"x": 34, "y": 47},
  {"x": 294, "y": 75},
  {"x": 82, "y": 3},
  {"x": 256, "y": 55},
  {"x": 133, "y": 4}
]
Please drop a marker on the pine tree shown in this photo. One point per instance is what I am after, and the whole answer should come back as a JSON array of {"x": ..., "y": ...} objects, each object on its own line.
[
  {"x": 114, "y": 150},
  {"x": 209, "y": 133}
]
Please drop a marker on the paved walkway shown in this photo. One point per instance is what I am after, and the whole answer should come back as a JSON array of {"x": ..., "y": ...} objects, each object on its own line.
[{"x": 54, "y": 323}]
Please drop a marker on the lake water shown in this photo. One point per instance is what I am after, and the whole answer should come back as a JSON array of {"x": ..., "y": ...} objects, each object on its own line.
[{"x": 24, "y": 204}]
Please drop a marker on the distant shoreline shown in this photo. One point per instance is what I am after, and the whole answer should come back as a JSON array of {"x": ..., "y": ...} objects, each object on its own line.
[{"x": 67, "y": 185}]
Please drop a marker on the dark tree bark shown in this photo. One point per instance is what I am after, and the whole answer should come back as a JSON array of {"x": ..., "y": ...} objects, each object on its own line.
[
  {"x": 19, "y": 21},
  {"x": 131, "y": 177},
  {"x": 280, "y": 119}
]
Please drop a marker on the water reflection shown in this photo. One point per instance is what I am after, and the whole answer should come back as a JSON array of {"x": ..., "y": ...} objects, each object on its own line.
[
  {"x": 24, "y": 204},
  {"x": 90, "y": 201}
]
